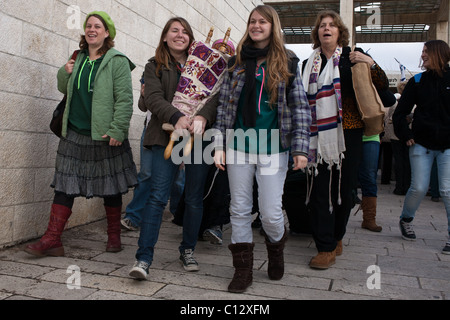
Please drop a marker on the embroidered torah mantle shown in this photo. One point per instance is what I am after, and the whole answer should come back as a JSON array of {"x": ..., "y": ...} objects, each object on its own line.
[{"x": 201, "y": 78}]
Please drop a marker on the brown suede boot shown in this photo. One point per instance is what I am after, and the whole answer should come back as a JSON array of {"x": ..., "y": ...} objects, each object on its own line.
[
  {"x": 243, "y": 266},
  {"x": 275, "y": 250},
  {"x": 50, "y": 244},
  {"x": 323, "y": 260},
  {"x": 113, "y": 219},
  {"x": 339, "y": 248},
  {"x": 369, "y": 208}
]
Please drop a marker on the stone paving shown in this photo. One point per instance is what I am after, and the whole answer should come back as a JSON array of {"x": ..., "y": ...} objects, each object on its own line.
[{"x": 374, "y": 266}]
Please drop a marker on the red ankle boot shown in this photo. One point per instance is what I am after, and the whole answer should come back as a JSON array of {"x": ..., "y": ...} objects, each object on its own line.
[
  {"x": 113, "y": 215},
  {"x": 50, "y": 244}
]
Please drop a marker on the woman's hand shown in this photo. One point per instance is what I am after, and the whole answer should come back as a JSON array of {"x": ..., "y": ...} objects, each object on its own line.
[
  {"x": 219, "y": 159},
  {"x": 300, "y": 162},
  {"x": 182, "y": 123},
  {"x": 359, "y": 57},
  {"x": 69, "y": 66},
  {"x": 112, "y": 142},
  {"x": 410, "y": 142},
  {"x": 198, "y": 125}
]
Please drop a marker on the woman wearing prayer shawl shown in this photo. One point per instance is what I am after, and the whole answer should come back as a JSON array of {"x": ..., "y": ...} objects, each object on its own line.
[{"x": 336, "y": 133}]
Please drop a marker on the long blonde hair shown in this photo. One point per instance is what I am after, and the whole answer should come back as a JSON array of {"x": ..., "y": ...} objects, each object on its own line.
[{"x": 277, "y": 61}]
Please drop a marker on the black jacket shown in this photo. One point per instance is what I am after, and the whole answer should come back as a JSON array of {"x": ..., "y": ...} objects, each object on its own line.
[{"x": 431, "y": 121}]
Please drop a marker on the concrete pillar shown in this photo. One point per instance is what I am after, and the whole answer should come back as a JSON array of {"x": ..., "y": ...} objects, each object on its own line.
[
  {"x": 442, "y": 31},
  {"x": 347, "y": 12}
]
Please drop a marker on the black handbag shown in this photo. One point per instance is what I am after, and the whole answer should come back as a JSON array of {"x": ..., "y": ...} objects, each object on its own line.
[{"x": 57, "y": 118}]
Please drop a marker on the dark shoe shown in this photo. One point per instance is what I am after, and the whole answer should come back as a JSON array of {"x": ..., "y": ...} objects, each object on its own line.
[
  {"x": 446, "y": 249},
  {"x": 188, "y": 261},
  {"x": 243, "y": 266},
  {"x": 50, "y": 244},
  {"x": 435, "y": 199},
  {"x": 113, "y": 219},
  {"x": 213, "y": 235},
  {"x": 275, "y": 250},
  {"x": 406, "y": 228}
]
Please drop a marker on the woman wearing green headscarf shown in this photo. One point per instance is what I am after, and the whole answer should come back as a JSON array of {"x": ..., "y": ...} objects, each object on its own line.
[{"x": 94, "y": 157}]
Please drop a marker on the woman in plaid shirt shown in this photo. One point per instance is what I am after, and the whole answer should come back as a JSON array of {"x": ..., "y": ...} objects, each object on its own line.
[{"x": 259, "y": 124}]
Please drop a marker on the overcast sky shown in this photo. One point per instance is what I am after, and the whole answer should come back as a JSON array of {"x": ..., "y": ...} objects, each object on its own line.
[{"x": 383, "y": 53}]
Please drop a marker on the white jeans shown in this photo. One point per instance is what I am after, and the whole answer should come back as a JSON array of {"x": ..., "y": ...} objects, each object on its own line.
[{"x": 270, "y": 172}]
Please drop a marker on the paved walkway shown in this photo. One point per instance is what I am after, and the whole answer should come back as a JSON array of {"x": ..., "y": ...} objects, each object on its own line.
[{"x": 406, "y": 270}]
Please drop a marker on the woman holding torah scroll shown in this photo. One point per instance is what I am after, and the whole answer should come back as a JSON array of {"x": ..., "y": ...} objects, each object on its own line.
[
  {"x": 162, "y": 74},
  {"x": 256, "y": 102}
]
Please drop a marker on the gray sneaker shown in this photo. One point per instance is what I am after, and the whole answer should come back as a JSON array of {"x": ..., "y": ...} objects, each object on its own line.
[
  {"x": 188, "y": 261},
  {"x": 406, "y": 227},
  {"x": 139, "y": 270},
  {"x": 213, "y": 235},
  {"x": 129, "y": 225}
]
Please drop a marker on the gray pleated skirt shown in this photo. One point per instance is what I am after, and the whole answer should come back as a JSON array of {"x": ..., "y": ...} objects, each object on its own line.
[{"x": 87, "y": 168}]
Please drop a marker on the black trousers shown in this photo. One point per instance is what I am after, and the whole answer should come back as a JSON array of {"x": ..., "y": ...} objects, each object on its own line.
[
  {"x": 216, "y": 203},
  {"x": 329, "y": 227}
]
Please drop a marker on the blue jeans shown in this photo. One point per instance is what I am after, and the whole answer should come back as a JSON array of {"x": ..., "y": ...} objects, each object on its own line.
[
  {"x": 142, "y": 190},
  {"x": 368, "y": 168},
  {"x": 163, "y": 174},
  {"x": 421, "y": 160},
  {"x": 177, "y": 189}
]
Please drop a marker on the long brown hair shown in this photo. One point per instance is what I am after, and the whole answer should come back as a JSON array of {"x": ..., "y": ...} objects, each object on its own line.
[
  {"x": 108, "y": 44},
  {"x": 439, "y": 53},
  {"x": 277, "y": 61},
  {"x": 162, "y": 54},
  {"x": 344, "y": 34}
]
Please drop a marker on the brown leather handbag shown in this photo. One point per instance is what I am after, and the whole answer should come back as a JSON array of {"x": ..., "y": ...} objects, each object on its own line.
[{"x": 368, "y": 100}]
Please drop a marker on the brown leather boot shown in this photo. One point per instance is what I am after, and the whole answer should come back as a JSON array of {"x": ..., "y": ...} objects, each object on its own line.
[
  {"x": 275, "y": 250},
  {"x": 50, "y": 244},
  {"x": 243, "y": 266},
  {"x": 113, "y": 220},
  {"x": 323, "y": 260},
  {"x": 369, "y": 208}
]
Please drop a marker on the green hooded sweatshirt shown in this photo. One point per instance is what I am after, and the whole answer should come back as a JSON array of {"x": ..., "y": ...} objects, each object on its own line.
[{"x": 112, "y": 100}]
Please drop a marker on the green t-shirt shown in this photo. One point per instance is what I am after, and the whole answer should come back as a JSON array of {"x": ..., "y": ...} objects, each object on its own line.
[
  {"x": 371, "y": 138},
  {"x": 81, "y": 105},
  {"x": 258, "y": 140}
]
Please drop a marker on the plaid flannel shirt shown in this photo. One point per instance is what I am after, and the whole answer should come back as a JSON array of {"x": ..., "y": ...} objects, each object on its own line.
[{"x": 294, "y": 115}]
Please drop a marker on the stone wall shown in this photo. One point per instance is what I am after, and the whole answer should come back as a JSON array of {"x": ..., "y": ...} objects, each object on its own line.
[{"x": 36, "y": 39}]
